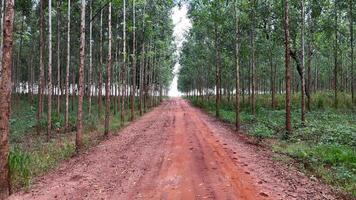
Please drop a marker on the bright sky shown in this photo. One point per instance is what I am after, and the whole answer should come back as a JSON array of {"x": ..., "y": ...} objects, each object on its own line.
[{"x": 181, "y": 26}]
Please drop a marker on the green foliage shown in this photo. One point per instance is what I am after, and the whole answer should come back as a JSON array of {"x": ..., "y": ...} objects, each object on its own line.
[
  {"x": 325, "y": 145},
  {"x": 333, "y": 163},
  {"x": 19, "y": 162}
]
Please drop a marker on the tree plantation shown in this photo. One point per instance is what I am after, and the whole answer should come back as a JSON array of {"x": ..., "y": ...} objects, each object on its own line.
[
  {"x": 282, "y": 69},
  {"x": 90, "y": 108},
  {"x": 72, "y": 65}
]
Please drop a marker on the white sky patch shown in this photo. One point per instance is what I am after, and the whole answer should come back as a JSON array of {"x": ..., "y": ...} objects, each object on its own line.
[{"x": 181, "y": 26}]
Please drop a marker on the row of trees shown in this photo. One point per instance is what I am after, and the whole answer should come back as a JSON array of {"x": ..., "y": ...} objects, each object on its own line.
[
  {"x": 237, "y": 47},
  {"x": 129, "y": 62}
]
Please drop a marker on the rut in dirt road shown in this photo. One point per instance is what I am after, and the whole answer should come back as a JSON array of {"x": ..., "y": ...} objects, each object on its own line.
[{"x": 175, "y": 152}]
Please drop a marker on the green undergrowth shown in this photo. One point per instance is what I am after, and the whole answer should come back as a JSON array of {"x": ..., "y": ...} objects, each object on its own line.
[
  {"x": 31, "y": 154},
  {"x": 325, "y": 146}
]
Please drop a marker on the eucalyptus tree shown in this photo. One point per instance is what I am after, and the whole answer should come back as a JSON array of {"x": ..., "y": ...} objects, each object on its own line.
[
  {"x": 49, "y": 73},
  {"x": 133, "y": 89},
  {"x": 351, "y": 20},
  {"x": 5, "y": 98},
  {"x": 90, "y": 57},
  {"x": 336, "y": 52},
  {"x": 108, "y": 76},
  {"x": 66, "y": 116},
  {"x": 58, "y": 56},
  {"x": 100, "y": 84},
  {"x": 287, "y": 68},
  {"x": 303, "y": 63},
  {"x": 41, "y": 76},
  {"x": 79, "y": 134},
  {"x": 124, "y": 65},
  {"x": 237, "y": 121}
]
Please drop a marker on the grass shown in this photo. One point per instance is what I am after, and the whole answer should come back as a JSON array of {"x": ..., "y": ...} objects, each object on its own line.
[
  {"x": 325, "y": 146},
  {"x": 32, "y": 155}
]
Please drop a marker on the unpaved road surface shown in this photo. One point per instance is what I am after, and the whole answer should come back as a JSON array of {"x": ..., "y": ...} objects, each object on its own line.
[{"x": 175, "y": 152}]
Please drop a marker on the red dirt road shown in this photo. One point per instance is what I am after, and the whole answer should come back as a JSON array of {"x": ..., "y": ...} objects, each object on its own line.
[{"x": 175, "y": 152}]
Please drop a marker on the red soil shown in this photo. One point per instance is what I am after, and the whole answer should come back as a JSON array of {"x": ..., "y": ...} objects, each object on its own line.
[{"x": 176, "y": 152}]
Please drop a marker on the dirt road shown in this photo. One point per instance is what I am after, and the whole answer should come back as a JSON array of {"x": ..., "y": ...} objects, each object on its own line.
[{"x": 175, "y": 152}]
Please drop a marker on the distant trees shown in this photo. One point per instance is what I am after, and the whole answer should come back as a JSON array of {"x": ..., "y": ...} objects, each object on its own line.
[{"x": 320, "y": 57}]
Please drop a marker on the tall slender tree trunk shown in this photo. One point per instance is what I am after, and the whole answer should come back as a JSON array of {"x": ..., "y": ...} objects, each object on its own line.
[
  {"x": 336, "y": 48},
  {"x": 145, "y": 78},
  {"x": 309, "y": 75},
  {"x": 1, "y": 28},
  {"x": 108, "y": 76},
  {"x": 100, "y": 68},
  {"x": 271, "y": 62},
  {"x": 287, "y": 69},
  {"x": 142, "y": 65},
  {"x": 17, "y": 80},
  {"x": 123, "y": 74},
  {"x": 79, "y": 135},
  {"x": 74, "y": 92},
  {"x": 58, "y": 56},
  {"x": 303, "y": 67},
  {"x": 42, "y": 80},
  {"x": 5, "y": 99},
  {"x": 31, "y": 76},
  {"x": 217, "y": 74},
  {"x": 67, "y": 71},
  {"x": 253, "y": 95},
  {"x": 133, "y": 78},
  {"x": 352, "y": 53},
  {"x": 118, "y": 75},
  {"x": 49, "y": 83},
  {"x": 237, "y": 48},
  {"x": 90, "y": 57}
]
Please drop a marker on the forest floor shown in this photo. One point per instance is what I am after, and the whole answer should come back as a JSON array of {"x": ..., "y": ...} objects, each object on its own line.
[{"x": 176, "y": 151}]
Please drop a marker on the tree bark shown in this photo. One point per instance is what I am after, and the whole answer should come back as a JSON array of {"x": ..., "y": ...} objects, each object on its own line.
[
  {"x": 352, "y": 54},
  {"x": 108, "y": 76},
  {"x": 49, "y": 83},
  {"x": 217, "y": 74},
  {"x": 58, "y": 56},
  {"x": 5, "y": 99},
  {"x": 78, "y": 139},
  {"x": 133, "y": 78},
  {"x": 142, "y": 65},
  {"x": 90, "y": 57},
  {"x": 123, "y": 73},
  {"x": 288, "y": 123},
  {"x": 303, "y": 67},
  {"x": 2, "y": 29},
  {"x": 100, "y": 65},
  {"x": 336, "y": 48},
  {"x": 67, "y": 71},
  {"x": 31, "y": 76},
  {"x": 42, "y": 80},
  {"x": 253, "y": 95},
  {"x": 237, "y": 68}
]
